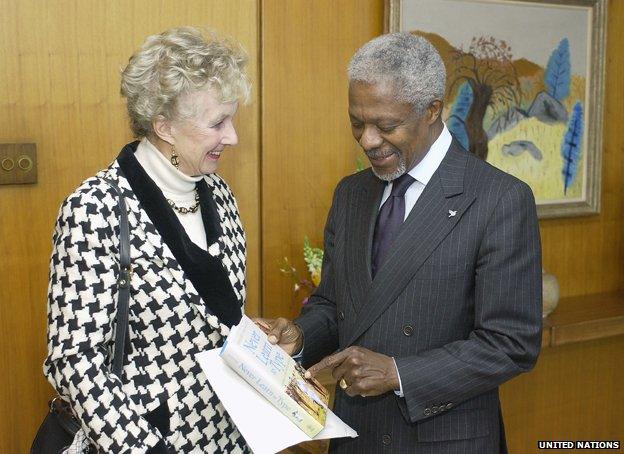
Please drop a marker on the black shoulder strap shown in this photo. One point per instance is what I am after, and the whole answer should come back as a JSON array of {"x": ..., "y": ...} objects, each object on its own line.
[{"x": 123, "y": 282}]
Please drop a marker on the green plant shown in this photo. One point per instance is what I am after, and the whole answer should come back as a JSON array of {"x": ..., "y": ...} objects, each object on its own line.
[{"x": 313, "y": 257}]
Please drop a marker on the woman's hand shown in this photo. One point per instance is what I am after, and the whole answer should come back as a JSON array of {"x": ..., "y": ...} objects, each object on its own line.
[{"x": 282, "y": 332}]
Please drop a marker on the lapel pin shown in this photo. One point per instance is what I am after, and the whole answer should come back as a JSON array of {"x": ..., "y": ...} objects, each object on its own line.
[{"x": 452, "y": 213}]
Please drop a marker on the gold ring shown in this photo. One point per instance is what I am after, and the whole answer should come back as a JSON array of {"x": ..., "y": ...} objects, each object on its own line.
[{"x": 343, "y": 384}]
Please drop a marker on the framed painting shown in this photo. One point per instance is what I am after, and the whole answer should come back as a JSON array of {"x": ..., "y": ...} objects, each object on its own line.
[{"x": 524, "y": 88}]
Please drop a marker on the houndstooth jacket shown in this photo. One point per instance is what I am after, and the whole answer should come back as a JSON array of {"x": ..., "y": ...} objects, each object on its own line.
[{"x": 163, "y": 401}]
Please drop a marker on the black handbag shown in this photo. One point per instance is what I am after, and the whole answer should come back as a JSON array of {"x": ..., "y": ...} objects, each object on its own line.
[{"x": 59, "y": 427}]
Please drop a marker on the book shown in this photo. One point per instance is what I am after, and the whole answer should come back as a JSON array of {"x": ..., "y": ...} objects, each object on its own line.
[{"x": 276, "y": 376}]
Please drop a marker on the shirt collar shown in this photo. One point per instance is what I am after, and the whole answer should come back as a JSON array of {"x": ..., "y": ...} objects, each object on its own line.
[{"x": 424, "y": 170}]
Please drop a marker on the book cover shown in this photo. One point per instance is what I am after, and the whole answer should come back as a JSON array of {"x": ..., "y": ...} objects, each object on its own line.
[{"x": 275, "y": 375}]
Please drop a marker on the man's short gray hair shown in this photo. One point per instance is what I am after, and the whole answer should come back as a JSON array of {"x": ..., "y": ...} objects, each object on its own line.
[
  {"x": 407, "y": 61},
  {"x": 176, "y": 62}
]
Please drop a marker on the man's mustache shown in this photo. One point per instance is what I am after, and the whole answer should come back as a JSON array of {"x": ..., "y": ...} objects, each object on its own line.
[{"x": 376, "y": 153}]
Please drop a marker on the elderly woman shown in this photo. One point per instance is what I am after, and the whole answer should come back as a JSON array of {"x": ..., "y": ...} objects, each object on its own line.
[{"x": 187, "y": 285}]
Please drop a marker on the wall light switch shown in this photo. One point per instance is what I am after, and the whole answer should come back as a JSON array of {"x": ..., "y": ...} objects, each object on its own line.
[{"x": 18, "y": 163}]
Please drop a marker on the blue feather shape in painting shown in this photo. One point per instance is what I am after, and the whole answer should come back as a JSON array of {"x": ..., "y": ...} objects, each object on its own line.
[
  {"x": 457, "y": 117},
  {"x": 557, "y": 74},
  {"x": 571, "y": 146}
]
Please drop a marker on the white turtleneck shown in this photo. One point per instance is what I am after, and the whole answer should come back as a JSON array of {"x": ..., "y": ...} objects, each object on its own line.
[{"x": 176, "y": 186}]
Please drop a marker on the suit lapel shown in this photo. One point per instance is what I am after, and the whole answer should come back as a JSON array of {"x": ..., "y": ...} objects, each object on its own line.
[
  {"x": 429, "y": 222},
  {"x": 363, "y": 208}
]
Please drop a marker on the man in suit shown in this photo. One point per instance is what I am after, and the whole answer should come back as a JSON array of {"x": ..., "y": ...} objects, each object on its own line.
[{"x": 430, "y": 295}]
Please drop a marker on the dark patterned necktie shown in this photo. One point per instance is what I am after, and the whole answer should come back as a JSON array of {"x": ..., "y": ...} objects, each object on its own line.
[{"x": 389, "y": 220}]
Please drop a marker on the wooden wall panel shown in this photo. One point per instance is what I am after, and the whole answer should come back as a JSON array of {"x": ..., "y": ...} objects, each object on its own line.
[
  {"x": 574, "y": 393},
  {"x": 59, "y": 66},
  {"x": 307, "y": 145}
]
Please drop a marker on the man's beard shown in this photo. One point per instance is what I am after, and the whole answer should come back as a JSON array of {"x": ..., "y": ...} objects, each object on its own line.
[{"x": 400, "y": 170}]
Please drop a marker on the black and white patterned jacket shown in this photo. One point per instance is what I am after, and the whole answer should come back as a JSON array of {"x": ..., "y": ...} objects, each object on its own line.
[{"x": 163, "y": 402}]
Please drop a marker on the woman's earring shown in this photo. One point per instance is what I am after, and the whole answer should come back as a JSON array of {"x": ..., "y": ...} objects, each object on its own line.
[{"x": 174, "y": 158}]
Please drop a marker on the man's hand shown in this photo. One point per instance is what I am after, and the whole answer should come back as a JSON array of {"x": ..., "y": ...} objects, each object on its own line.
[
  {"x": 282, "y": 332},
  {"x": 365, "y": 373}
]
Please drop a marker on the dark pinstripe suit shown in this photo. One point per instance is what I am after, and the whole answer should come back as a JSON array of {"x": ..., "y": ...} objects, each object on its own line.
[{"x": 457, "y": 304}]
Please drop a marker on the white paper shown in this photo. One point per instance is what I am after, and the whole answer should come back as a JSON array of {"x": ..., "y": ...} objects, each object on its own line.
[{"x": 265, "y": 429}]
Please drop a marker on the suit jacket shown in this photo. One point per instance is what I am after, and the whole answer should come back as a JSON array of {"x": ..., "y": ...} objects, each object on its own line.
[
  {"x": 163, "y": 402},
  {"x": 457, "y": 303}
]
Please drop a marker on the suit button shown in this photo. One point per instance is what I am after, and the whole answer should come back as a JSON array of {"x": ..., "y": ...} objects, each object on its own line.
[
  {"x": 449, "y": 405},
  {"x": 435, "y": 409},
  {"x": 386, "y": 439},
  {"x": 427, "y": 412},
  {"x": 408, "y": 330},
  {"x": 341, "y": 315}
]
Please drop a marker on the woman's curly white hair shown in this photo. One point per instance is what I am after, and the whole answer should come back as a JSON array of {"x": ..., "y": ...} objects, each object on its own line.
[{"x": 174, "y": 63}]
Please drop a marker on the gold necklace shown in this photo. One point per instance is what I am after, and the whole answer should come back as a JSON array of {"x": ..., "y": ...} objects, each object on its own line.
[{"x": 184, "y": 210}]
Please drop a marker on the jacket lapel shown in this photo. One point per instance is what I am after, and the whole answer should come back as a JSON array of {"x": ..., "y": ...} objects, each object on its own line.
[
  {"x": 229, "y": 243},
  {"x": 360, "y": 224},
  {"x": 429, "y": 222}
]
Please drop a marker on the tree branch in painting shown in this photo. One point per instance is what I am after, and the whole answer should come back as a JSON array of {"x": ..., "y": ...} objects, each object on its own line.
[{"x": 488, "y": 68}]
